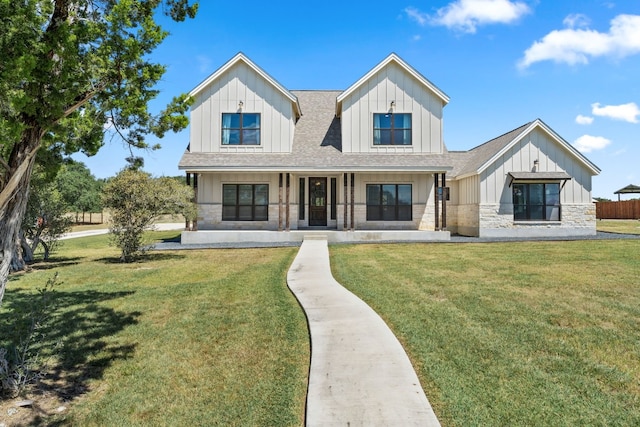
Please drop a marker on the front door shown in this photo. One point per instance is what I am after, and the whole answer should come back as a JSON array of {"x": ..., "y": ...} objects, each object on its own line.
[{"x": 317, "y": 202}]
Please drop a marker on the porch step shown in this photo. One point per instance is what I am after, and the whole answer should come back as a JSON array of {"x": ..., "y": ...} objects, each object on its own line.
[{"x": 314, "y": 237}]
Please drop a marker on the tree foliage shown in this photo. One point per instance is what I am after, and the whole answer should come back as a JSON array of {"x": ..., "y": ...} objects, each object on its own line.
[
  {"x": 46, "y": 218},
  {"x": 68, "y": 68},
  {"x": 135, "y": 199},
  {"x": 78, "y": 187}
]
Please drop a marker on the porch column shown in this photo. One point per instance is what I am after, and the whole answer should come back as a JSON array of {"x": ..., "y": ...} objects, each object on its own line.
[
  {"x": 187, "y": 223},
  {"x": 444, "y": 202},
  {"x": 353, "y": 200},
  {"x": 280, "y": 202},
  {"x": 287, "y": 209},
  {"x": 345, "y": 201},
  {"x": 195, "y": 200},
  {"x": 436, "y": 186}
]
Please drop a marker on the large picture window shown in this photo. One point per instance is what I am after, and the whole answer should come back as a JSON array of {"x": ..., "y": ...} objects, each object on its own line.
[
  {"x": 536, "y": 202},
  {"x": 245, "y": 202},
  {"x": 389, "y": 202},
  {"x": 392, "y": 129},
  {"x": 240, "y": 129}
]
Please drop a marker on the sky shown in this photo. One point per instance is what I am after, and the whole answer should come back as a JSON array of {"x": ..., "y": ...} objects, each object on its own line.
[{"x": 575, "y": 64}]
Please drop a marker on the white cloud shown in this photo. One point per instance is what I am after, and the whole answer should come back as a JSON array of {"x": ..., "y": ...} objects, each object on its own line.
[
  {"x": 588, "y": 143},
  {"x": 626, "y": 112},
  {"x": 576, "y": 20},
  {"x": 420, "y": 17},
  {"x": 467, "y": 15},
  {"x": 577, "y": 45},
  {"x": 584, "y": 120}
]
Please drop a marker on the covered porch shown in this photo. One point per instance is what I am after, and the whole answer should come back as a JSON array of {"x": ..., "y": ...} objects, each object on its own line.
[{"x": 325, "y": 200}]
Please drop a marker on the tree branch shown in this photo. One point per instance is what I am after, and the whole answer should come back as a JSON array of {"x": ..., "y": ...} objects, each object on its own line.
[{"x": 11, "y": 186}]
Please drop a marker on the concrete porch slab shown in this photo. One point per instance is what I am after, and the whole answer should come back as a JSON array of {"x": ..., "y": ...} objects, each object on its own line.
[{"x": 296, "y": 236}]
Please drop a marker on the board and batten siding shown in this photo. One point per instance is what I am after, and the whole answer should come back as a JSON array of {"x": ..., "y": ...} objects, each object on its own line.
[
  {"x": 537, "y": 145},
  {"x": 468, "y": 190},
  {"x": 241, "y": 83},
  {"x": 392, "y": 83}
]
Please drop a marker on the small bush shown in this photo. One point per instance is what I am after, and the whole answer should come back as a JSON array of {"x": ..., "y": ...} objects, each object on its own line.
[{"x": 21, "y": 365}]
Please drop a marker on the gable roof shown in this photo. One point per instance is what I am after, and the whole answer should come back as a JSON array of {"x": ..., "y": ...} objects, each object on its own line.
[
  {"x": 240, "y": 57},
  {"x": 483, "y": 156},
  {"x": 629, "y": 189},
  {"x": 392, "y": 58}
]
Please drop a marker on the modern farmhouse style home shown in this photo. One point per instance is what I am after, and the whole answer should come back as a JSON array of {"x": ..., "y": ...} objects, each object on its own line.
[{"x": 367, "y": 161}]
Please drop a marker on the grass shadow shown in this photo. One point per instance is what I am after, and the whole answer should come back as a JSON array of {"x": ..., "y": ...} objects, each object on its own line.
[
  {"x": 54, "y": 262},
  {"x": 147, "y": 257},
  {"x": 75, "y": 334}
]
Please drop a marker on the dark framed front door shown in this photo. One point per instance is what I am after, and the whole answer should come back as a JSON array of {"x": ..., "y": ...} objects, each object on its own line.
[{"x": 317, "y": 202}]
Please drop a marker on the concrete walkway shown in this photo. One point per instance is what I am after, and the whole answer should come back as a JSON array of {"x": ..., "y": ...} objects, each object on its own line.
[{"x": 360, "y": 375}]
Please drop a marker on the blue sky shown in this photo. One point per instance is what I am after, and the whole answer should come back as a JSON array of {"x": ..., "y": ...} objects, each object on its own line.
[{"x": 575, "y": 64}]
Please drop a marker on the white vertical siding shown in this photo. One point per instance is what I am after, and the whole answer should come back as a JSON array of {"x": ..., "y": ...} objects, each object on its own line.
[
  {"x": 241, "y": 83},
  {"x": 468, "y": 190},
  {"x": 374, "y": 96},
  {"x": 551, "y": 156}
]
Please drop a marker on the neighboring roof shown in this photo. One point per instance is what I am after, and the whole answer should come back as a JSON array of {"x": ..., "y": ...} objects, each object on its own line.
[
  {"x": 240, "y": 57},
  {"x": 629, "y": 189},
  {"x": 385, "y": 62},
  {"x": 317, "y": 145},
  {"x": 482, "y": 156}
]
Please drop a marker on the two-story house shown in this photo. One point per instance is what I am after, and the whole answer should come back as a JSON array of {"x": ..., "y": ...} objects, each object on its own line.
[{"x": 369, "y": 159}]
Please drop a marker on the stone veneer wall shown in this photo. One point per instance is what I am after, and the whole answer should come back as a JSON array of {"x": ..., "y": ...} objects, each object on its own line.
[
  {"x": 423, "y": 219},
  {"x": 210, "y": 218},
  {"x": 463, "y": 220},
  {"x": 577, "y": 220}
]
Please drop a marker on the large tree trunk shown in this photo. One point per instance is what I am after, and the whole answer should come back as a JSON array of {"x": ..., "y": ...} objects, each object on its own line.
[{"x": 13, "y": 202}]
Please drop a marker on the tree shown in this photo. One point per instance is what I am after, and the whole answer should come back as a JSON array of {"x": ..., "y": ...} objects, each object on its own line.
[
  {"x": 78, "y": 187},
  {"x": 135, "y": 199},
  {"x": 46, "y": 218},
  {"x": 68, "y": 68}
]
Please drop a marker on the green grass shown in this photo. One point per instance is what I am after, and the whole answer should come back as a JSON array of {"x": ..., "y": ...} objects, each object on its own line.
[
  {"x": 528, "y": 333},
  {"x": 181, "y": 338},
  {"x": 625, "y": 226}
]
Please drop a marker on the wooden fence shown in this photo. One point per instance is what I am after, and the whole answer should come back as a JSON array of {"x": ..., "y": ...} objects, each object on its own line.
[{"x": 627, "y": 209}]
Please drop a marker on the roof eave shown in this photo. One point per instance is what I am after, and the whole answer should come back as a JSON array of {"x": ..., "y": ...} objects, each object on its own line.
[{"x": 328, "y": 169}]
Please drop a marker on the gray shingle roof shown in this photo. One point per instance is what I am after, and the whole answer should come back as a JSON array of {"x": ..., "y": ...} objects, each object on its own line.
[{"x": 470, "y": 161}]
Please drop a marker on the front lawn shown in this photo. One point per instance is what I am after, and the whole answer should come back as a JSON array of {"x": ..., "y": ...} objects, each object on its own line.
[
  {"x": 529, "y": 333},
  {"x": 210, "y": 337},
  {"x": 624, "y": 226}
]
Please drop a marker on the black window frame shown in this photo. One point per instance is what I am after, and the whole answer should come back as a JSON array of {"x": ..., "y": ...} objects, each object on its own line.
[
  {"x": 334, "y": 198},
  {"x": 241, "y": 129},
  {"x": 301, "y": 198},
  {"x": 548, "y": 208},
  {"x": 382, "y": 210},
  {"x": 238, "y": 211},
  {"x": 392, "y": 130}
]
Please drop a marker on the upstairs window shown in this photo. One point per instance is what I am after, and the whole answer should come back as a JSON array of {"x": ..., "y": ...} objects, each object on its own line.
[
  {"x": 536, "y": 202},
  {"x": 392, "y": 129},
  {"x": 240, "y": 129}
]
